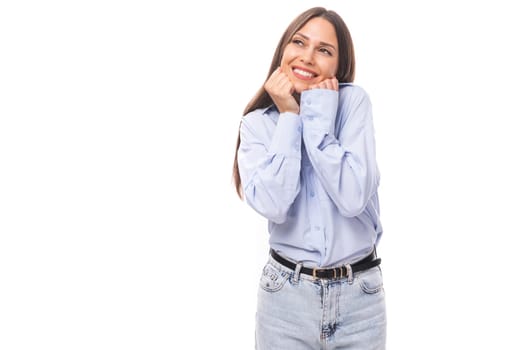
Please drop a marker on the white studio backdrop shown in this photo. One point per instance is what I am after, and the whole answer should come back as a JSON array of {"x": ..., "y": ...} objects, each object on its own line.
[{"x": 119, "y": 225}]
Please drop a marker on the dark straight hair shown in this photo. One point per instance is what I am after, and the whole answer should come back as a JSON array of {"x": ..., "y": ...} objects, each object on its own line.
[{"x": 345, "y": 70}]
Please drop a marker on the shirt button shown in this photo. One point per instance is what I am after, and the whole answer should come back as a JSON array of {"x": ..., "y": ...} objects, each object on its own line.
[
  {"x": 312, "y": 194},
  {"x": 308, "y": 101}
]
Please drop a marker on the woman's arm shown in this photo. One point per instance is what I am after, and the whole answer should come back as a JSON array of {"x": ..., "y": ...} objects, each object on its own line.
[
  {"x": 345, "y": 164},
  {"x": 270, "y": 162}
]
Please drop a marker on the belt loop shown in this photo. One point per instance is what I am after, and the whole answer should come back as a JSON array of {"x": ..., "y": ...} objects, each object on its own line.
[
  {"x": 350, "y": 273},
  {"x": 297, "y": 272}
]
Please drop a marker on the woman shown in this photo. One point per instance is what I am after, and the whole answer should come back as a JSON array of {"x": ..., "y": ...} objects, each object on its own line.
[{"x": 305, "y": 160}]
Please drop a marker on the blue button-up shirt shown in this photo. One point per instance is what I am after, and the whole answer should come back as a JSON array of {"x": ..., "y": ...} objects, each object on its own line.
[{"x": 314, "y": 176}]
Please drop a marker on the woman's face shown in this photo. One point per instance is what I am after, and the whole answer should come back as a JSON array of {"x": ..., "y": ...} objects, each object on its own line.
[{"x": 312, "y": 55}]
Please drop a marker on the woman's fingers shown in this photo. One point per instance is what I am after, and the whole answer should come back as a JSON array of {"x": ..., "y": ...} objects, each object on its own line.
[
  {"x": 278, "y": 84},
  {"x": 329, "y": 84},
  {"x": 280, "y": 89}
]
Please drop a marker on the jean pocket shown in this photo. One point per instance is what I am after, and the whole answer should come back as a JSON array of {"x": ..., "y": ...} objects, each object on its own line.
[
  {"x": 272, "y": 278},
  {"x": 371, "y": 281}
]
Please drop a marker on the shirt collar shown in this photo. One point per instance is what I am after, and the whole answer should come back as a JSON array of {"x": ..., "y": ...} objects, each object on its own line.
[{"x": 269, "y": 109}]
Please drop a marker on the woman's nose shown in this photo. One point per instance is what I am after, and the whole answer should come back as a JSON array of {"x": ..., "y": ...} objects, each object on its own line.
[{"x": 307, "y": 57}]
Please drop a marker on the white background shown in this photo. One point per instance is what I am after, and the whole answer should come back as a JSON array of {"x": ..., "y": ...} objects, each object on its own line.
[{"x": 119, "y": 225}]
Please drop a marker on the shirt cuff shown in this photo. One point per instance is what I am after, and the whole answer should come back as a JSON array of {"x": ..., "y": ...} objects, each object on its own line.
[
  {"x": 319, "y": 109},
  {"x": 287, "y": 137}
]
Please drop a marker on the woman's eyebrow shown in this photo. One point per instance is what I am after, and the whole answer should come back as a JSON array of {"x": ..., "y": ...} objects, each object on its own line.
[{"x": 322, "y": 42}]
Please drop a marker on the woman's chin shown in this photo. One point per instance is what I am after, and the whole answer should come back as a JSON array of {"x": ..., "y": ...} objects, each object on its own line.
[{"x": 299, "y": 88}]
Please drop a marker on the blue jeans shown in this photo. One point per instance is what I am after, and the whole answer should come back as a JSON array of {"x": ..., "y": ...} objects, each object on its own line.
[{"x": 298, "y": 311}]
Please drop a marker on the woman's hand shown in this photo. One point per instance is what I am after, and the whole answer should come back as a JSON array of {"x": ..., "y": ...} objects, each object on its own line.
[
  {"x": 280, "y": 89},
  {"x": 330, "y": 84}
]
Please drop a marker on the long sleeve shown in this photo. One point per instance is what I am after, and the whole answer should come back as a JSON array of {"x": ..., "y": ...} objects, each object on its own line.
[
  {"x": 269, "y": 159},
  {"x": 344, "y": 160}
]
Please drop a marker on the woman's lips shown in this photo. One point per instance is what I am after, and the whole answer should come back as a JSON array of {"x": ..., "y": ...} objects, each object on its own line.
[{"x": 303, "y": 74}]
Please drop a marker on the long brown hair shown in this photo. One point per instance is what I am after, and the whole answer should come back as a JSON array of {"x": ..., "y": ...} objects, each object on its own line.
[{"x": 345, "y": 71}]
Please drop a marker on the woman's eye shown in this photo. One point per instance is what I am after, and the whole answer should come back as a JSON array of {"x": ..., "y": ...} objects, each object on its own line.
[
  {"x": 298, "y": 42},
  {"x": 326, "y": 51}
]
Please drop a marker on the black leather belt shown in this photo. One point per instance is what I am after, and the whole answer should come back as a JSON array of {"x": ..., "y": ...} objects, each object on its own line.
[{"x": 331, "y": 273}]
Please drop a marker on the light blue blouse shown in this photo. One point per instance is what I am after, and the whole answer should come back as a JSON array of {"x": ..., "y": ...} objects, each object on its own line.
[{"x": 314, "y": 176}]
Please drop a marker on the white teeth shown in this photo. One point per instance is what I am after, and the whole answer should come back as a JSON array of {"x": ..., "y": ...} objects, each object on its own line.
[{"x": 303, "y": 73}]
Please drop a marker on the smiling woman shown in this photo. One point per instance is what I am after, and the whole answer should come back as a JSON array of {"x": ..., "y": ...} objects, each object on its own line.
[
  {"x": 311, "y": 57},
  {"x": 305, "y": 160}
]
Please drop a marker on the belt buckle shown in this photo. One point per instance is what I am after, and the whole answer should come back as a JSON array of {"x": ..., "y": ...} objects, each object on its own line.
[{"x": 338, "y": 272}]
